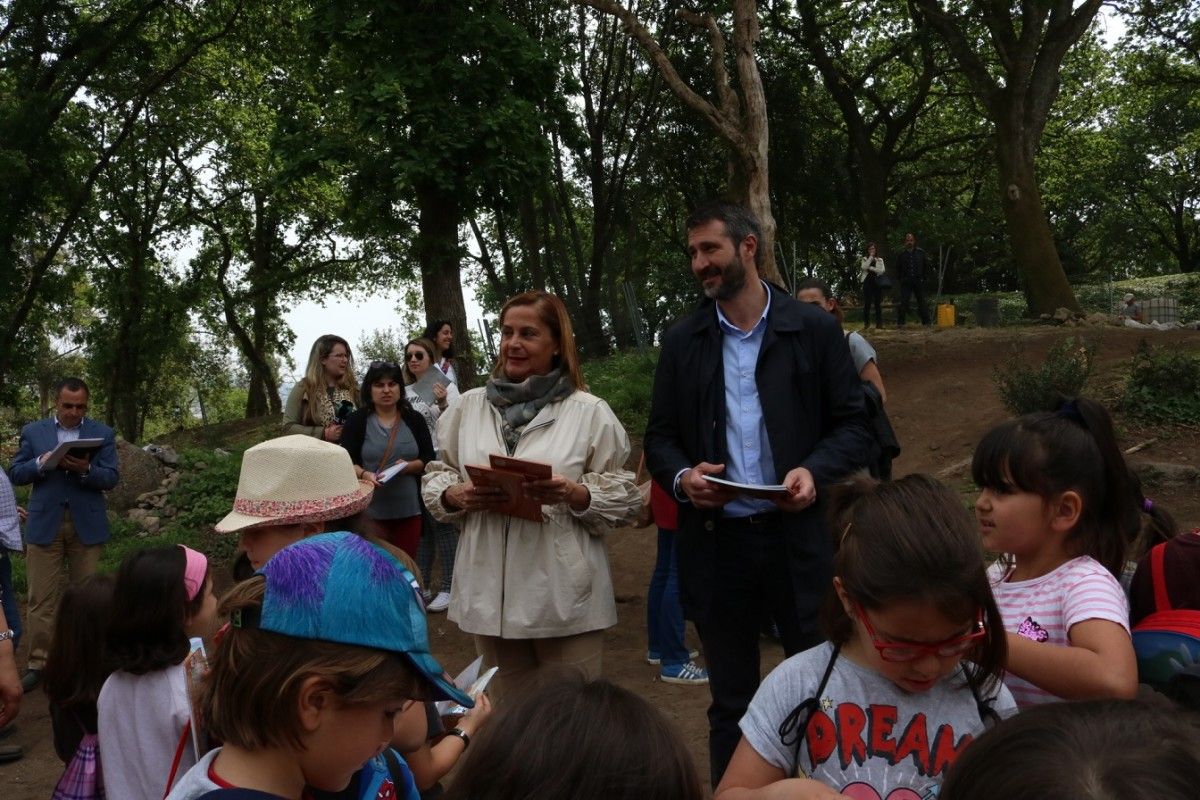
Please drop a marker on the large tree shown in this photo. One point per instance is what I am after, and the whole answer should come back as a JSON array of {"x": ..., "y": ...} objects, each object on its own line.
[
  {"x": 1017, "y": 82},
  {"x": 739, "y": 115},
  {"x": 449, "y": 100},
  {"x": 52, "y": 54}
]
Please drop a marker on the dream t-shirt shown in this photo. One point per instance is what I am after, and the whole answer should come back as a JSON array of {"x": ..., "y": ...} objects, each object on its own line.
[
  {"x": 867, "y": 738},
  {"x": 1043, "y": 609}
]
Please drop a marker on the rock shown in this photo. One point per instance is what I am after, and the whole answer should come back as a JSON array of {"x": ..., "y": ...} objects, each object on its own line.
[
  {"x": 164, "y": 454},
  {"x": 140, "y": 473},
  {"x": 223, "y": 453},
  {"x": 145, "y": 498},
  {"x": 1062, "y": 315},
  {"x": 137, "y": 514},
  {"x": 199, "y": 465},
  {"x": 151, "y": 524},
  {"x": 169, "y": 511}
]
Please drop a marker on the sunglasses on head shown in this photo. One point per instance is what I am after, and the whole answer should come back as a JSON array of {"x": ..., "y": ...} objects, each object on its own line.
[
  {"x": 417, "y": 356},
  {"x": 384, "y": 365},
  {"x": 911, "y": 651}
]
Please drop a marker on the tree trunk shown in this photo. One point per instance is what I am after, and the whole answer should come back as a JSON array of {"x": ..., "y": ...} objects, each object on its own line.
[
  {"x": 1028, "y": 229},
  {"x": 439, "y": 256}
]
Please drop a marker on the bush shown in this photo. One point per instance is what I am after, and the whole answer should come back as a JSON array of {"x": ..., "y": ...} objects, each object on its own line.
[
  {"x": 625, "y": 382},
  {"x": 1163, "y": 387},
  {"x": 1024, "y": 389}
]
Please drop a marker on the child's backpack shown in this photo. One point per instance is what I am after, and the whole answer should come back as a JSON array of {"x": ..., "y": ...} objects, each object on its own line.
[
  {"x": 1167, "y": 642},
  {"x": 82, "y": 780}
]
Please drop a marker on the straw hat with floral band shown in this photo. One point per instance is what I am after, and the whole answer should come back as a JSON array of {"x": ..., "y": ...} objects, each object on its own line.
[{"x": 294, "y": 480}]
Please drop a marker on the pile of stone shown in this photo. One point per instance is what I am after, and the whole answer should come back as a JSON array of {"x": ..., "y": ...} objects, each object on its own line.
[
  {"x": 151, "y": 508},
  {"x": 1066, "y": 317}
]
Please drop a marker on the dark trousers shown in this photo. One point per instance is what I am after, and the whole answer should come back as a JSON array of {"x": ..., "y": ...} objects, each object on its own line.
[
  {"x": 755, "y": 581},
  {"x": 664, "y": 614},
  {"x": 872, "y": 296},
  {"x": 907, "y": 290}
]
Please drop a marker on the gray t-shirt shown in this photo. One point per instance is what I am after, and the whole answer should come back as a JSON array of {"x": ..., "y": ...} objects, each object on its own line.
[
  {"x": 861, "y": 351},
  {"x": 867, "y": 737},
  {"x": 398, "y": 498}
]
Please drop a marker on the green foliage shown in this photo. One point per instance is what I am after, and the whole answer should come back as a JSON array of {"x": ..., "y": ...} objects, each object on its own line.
[
  {"x": 1163, "y": 386},
  {"x": 625, "y": 382},
  {"x": 202, "y": 497},
  {"x": 1024, "y": 389}
]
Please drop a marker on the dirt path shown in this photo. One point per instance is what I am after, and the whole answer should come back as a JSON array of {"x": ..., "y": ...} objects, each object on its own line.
[{"x": 941, "y": 399}]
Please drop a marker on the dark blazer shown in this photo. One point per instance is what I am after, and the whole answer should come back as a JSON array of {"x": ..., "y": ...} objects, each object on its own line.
[
  {"x": 354, "y": 433},
  {"x": 812, "y": 406},
  {"x": 58, "y": 491}
]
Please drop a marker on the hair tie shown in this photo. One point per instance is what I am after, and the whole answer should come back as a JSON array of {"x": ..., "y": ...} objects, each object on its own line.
[
  {"x": 1069, "y": 410},
  {"x": 1147, "y": 504}
]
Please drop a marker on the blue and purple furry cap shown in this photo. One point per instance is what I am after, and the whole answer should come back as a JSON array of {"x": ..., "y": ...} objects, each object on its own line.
[{"x": 338, "y": 587}]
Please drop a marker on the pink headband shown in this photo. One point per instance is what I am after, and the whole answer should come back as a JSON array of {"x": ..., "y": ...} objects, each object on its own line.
[{"x": 193, "y": 571}]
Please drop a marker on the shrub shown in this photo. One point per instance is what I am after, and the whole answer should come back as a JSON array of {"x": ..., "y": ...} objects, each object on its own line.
[
  {"x": 1163, "y": 386},
  {"x": 624, "y": 381},
  {"x": 1024, "y": 389}
]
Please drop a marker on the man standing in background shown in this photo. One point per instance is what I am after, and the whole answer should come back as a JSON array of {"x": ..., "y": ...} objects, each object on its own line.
[{"x": 68, "y": 523}]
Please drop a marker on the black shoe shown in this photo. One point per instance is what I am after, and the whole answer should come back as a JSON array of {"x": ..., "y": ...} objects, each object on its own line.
[
  {"x": 10, "y": 752},
  {"x": 31, "y": 679}
]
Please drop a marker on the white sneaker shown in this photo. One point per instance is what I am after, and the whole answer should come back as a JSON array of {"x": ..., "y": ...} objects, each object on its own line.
[{"x": 440, "y": 603}]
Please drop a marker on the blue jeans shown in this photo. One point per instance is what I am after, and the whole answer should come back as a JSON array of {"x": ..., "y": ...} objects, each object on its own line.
[
  {"x": 664, "y": 614},
  {"x": 8, "y": 598}
]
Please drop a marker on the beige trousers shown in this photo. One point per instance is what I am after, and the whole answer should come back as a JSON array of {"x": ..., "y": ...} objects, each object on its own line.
[
  {"x": 44, "y": 570},
  {"x": 521, "y": 660}
]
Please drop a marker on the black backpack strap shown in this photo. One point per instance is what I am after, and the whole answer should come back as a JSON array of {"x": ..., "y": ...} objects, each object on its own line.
[
  {"x": 987, "y": 714},
  {"x": 793, "y": 730}
]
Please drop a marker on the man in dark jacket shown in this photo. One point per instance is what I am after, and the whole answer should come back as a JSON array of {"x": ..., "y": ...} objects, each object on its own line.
[
  {"x": 756, "y": 388},
  {"x": 912, "y": 278}
]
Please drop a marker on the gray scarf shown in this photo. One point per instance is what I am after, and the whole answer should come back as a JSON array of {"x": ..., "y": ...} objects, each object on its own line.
[{"x": 519, "y": 403}]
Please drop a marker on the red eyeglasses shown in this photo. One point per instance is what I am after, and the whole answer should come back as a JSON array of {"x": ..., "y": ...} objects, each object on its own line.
[{"x": 911, "y": 651}]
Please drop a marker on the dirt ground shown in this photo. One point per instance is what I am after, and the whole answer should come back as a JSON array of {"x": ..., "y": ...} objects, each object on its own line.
[{"x": 941, "y": 398}]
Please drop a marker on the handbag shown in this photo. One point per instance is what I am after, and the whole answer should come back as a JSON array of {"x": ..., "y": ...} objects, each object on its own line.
[
  {"x": 645, "y": 515},
  {"x": 883, "y": 281},
  {"x": 82, "y": 780}
]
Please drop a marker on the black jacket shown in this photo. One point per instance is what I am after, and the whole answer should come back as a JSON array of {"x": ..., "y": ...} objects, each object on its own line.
[
  {"x": 912, "y": 265},
  {"x": 354, "y": 433},
  {"x": 812, "y": 404}
]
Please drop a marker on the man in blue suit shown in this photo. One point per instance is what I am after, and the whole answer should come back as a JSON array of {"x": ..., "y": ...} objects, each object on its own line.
[{"x": 67, "y": 520}]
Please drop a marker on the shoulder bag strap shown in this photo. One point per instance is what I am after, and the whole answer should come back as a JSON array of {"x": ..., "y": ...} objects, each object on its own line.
[
  {"x": 387, "y": 451},
  {"x": 1158, "y": 578},
  {"x": 792, "y": 724},
  {"x": 183, "y": 739}
]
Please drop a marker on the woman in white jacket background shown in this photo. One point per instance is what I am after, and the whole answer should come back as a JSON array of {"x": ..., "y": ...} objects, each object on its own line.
[
  {"x": 871, "y": 276},
  {"x": 534, "y": 593}
]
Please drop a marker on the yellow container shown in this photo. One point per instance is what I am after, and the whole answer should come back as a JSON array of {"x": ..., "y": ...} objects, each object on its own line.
[{"x": 945, "y": 315}]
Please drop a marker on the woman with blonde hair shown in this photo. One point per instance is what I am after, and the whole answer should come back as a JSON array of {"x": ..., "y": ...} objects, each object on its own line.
[
  {"x": 540, "y": 593},
  {"x": 321, "y": 402}
]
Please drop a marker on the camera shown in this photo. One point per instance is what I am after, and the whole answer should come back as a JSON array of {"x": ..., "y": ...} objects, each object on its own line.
[{"x": 342, "y": 412}]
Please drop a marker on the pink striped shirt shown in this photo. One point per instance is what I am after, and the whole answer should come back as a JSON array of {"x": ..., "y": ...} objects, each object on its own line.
[{"x": 1043, "y": 609}]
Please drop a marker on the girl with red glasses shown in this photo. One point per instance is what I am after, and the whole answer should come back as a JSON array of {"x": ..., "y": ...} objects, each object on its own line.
[{"x": 911, "y": 673}]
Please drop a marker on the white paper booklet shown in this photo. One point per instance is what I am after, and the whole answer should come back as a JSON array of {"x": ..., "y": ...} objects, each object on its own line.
[{"x": 471, "y": 682}]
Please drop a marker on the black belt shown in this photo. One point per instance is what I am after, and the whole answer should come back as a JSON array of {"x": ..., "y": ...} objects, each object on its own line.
[{"x": 762, "y": 518}]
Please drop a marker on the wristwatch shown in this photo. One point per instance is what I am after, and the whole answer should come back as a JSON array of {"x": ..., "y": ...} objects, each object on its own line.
[
  {"x": 8, "y": 634},
  {"x": 460, "y": 733}
]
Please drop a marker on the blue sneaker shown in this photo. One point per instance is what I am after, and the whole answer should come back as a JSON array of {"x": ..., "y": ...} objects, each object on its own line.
[
  {"x": 688, "y": 674},
  {"x": 654, "y": 658}
]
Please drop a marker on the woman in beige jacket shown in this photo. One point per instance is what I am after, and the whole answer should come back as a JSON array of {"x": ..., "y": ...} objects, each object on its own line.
[{"x": 534, "y": 594}]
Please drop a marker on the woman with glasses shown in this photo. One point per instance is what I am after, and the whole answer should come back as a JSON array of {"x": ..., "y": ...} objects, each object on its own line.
[
  {"x": 389, "y": 443},
  {"x": 534, "y": 593},
  {"x": 439, "y": 538},
  {"x": 324, "y": 398}
]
